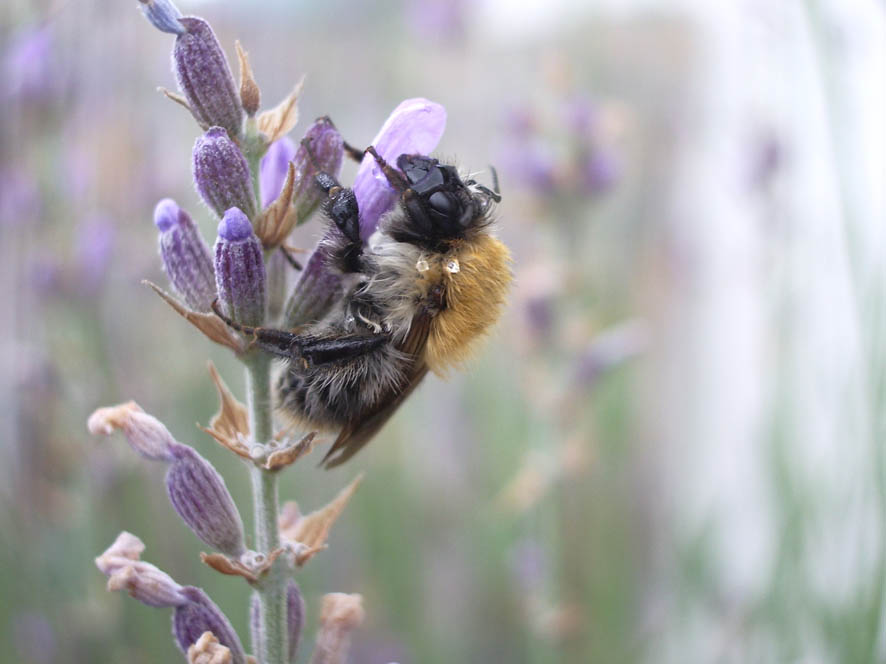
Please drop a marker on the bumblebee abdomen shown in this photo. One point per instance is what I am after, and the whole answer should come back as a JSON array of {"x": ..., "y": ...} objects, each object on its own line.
[{"x": 476, "y": 285}]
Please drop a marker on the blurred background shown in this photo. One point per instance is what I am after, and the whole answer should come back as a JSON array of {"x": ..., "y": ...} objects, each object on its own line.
[{"x": 671, "y": 451}]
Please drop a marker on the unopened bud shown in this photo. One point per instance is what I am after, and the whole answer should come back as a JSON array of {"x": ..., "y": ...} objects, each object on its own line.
[
  {"x": 221, "y": 173},
  {"x": 186, "y": 256},
  {"x": 144, "y": 433},
  {"x": 240, "y": 270},
  {"x": 163, "y": 15},
  {"x": 318, "y": 287},
  {"x": 199, "y": 495},
  {"x": 143, "y": 581},
  {"x": 205, "y": 78},
  {"x": 326, "y": 145},
  {"x": 199, "y": 615}
]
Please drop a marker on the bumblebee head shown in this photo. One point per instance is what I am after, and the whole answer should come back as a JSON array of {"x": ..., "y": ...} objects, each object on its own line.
[{"x": 439, "y": 207}]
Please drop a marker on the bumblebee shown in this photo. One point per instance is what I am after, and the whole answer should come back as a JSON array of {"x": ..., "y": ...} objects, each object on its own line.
[{"x": 427, "y": 285}]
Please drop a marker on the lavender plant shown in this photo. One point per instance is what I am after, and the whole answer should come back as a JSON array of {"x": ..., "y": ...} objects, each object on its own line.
[{"x": 260, "y": 185}]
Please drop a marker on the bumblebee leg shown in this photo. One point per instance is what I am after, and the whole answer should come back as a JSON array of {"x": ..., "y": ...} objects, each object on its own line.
[
  {"x": 354, "y": 153},
  {"x": 318, "y": 351},
  {"x": 342, "y": 210},
  {"x": 277, "y": 342},
  {"x": 291, "y": 259}
]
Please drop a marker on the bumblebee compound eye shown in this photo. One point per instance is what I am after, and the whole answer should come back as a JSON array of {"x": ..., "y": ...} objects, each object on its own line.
[{"x": 440, "y": 203}]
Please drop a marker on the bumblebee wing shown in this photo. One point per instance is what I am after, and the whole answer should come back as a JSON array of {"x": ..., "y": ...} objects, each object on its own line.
[{"x": 361, "y": 430}]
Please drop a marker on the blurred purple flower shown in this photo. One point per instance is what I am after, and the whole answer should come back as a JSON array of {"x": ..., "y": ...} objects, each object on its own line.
[
  {"x": 579, "y": 116},
  {"x": 27, "y": 63},
  {"x": 273, "y": 169},
  {"x": 531, "y": 165},
  {"x": 519, "y": 121},
  {"x": 414, "y": 127},
  {"x": 529, "y": 565},
  {"x": 601, "y": 171},
  {"x": 93, "y": 251},
  {"x": 34, "y": 639},
  {"x": 439, "y": 21},
  {"x": 19, "y": 198}
]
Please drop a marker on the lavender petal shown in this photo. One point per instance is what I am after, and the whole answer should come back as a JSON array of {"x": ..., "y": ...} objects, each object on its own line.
[{"x": 414, "y": 127}]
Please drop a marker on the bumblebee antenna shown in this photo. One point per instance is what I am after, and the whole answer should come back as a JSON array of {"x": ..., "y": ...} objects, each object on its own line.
[
  {"x": 495, "y": 183},
  {"x": 393, "y": 176}
]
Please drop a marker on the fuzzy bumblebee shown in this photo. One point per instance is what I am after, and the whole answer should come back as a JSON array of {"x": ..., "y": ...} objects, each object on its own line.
[{"x": 427, "y": 286}]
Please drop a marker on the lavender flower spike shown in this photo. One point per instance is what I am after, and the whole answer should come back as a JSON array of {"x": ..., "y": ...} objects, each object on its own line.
[
  {"x": 186, "y": 256},
  {"x": 221, "y": 173},
  {"x": 163, "y": 15},
  {"x": 200, "y": 615},
  {"x": 240, "y": 275},
  {"x": 415, "y": 127},
  {"x": 327, "y": 147},
  {"x": 199, "y": 495},
  {"x": 273, "y": 169},
  {"x": 205, "y": 78}
]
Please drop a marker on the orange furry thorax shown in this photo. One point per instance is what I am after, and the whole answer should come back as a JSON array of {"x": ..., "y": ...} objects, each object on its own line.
[{"x": 475, "y": 296}]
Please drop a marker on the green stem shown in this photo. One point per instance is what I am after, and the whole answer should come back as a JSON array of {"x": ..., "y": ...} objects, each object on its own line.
[{"x": 272, "y": 592}]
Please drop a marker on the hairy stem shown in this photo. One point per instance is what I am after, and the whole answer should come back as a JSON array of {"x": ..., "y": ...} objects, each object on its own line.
[{"x": 272, "y": 591}]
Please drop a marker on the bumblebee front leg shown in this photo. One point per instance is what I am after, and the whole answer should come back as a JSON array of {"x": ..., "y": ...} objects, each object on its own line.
[{"x": 342, "y": 209}]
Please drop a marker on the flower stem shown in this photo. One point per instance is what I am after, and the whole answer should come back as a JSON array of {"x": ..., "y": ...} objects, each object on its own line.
[{"x": 272, "y": 591}]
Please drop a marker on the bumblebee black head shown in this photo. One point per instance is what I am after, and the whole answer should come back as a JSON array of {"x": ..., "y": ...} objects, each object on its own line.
[{"x": 439, "y": 207}]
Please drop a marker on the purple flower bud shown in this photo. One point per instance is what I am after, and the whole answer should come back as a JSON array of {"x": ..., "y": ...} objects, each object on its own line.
[
  {"x": 186, "y": 256},
  {"x": 274, "y": 168},
  {"x": 205, "y": 78},
  {"x": 196, "y": 490},
  {"x": 221, "y": 173},
  {"x": 415, "y": 127},
  {"x": 163, "y": 15},
  {"x": 199, "y": 495},
  {"x": 125, "y": 571},
  {"x": 199, "y": 615},
  {"x": 317, "y": 289},
  {"x": 327, "y": 146},
  {"x": 295, "y": 617},
  {"x": 240, "y": 270}
]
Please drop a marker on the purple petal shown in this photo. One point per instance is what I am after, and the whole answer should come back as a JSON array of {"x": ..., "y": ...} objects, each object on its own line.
[
  {"x": 274, "y": 166},
  {"x": 415, "y": 127}
]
